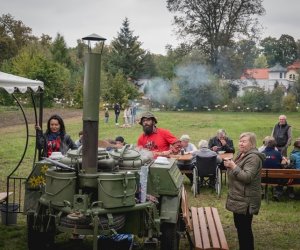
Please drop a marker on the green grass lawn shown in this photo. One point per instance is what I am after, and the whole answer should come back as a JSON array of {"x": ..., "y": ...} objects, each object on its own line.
[{"x": 276, "y": 226}]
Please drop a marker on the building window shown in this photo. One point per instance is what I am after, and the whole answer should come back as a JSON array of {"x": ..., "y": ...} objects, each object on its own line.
[
  {"x": 292, "y": 77},
  {"x": 280, "y": 75}
]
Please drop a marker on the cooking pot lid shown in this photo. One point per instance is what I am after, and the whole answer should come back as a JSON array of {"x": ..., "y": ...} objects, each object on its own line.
[{"x": 124, "y": 153}]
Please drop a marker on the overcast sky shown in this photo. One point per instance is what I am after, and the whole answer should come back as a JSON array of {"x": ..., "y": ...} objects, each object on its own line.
[{"x": 149, "y": 19}]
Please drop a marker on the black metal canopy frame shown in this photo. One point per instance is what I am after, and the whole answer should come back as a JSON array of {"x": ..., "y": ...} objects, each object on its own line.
[{"x": 12, "y": 85}]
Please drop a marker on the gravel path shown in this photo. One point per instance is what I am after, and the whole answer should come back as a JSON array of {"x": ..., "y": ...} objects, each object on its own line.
[{"x": 15, "y": 117}]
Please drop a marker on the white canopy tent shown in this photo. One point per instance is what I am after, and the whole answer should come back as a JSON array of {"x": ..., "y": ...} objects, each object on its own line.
[{"x": 13, "y": 84}]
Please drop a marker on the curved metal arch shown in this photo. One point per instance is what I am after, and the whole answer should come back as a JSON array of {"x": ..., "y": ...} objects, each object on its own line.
[{"x": 27, "y": 136}]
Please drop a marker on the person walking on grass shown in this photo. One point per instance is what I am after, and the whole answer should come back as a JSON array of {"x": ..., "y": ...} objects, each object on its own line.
[
  {"x": 117, "y": 110},
  {"x": 106, "y": 115}
]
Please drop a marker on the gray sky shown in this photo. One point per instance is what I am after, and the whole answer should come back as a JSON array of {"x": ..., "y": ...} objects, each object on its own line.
[{"x": 149, "y": 19}]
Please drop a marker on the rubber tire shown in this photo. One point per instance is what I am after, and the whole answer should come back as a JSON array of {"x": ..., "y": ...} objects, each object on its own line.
[
  {"x": 37, "y": 240},
  {"x": 169, "y": 237},
  {"x": 218, "y": 184},
  {"x": 195, "y": 182},
  {"x": 84, "y": 223}
]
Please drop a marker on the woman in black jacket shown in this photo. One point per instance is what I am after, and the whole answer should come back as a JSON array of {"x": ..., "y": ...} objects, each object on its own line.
[{"x": 55, "y": 138}]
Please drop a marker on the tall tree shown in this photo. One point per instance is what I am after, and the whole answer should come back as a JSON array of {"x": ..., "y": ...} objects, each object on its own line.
[
  {"x": 234, "y": 59},
  {"x": 283, "y": 51},
  {"x": 126, "y": 54},
  {"x": 260, "y": 62},
  {"x": 59, "y": 50},
  {"x": 270, "y": 50},
  {"x": 287, "y": 50},
  {"x": 13, "y": 36},
  {"x": 117, "y": 89},
  {"x": 32, "y": 63},
  {"x": 212, "y": 24}
]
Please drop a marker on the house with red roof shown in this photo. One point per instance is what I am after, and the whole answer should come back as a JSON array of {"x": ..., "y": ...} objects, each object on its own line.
[
  {"x": 265, "y": 78},
  {"x": 293, "y": 71}
]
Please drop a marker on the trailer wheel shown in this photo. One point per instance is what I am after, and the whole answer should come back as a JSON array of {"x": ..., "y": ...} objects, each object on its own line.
[
  {"x": 218, "y": 184},
  {"x": 37, "y": 240},
  {"x": 170, "y": 236},
  {"x": 86, "y": 222}
]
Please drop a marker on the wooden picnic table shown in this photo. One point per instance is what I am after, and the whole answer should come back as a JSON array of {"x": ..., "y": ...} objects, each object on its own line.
[
  {"x": 185, "y": 157},
  {"x": 188, "y": 157}
]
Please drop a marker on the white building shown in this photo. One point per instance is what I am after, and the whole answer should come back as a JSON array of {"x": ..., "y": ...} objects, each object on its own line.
[{"x": 265, "y": 78}]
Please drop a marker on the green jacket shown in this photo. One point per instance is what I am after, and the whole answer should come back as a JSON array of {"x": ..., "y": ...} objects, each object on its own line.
[{"x": 244, "y": 184}]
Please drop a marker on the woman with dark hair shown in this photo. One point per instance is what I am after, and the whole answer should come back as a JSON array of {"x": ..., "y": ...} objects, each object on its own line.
[{"x": 55, "y": 139}]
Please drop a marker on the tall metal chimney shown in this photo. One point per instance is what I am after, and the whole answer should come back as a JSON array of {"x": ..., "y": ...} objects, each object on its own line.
[{"x": 91, "y": 94}]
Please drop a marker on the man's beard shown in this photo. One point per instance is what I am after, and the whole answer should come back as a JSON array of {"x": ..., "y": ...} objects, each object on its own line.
[{"x": 148, "y": 130}]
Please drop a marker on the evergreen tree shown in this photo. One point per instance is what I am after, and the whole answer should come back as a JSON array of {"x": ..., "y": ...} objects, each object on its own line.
[
  {"x": 126, "y": 54},
  {"x": 59, "y": 51}
]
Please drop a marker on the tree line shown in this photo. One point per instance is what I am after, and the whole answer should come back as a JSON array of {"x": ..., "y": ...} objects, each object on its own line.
[{"x": 220, "y": 39}]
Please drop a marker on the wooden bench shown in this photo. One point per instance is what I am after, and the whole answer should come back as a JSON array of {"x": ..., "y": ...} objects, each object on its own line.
[
  {"x": 3, "y": 196},
  {"x": 270, "y": 175},
  {"x": 204, "y": 224}
]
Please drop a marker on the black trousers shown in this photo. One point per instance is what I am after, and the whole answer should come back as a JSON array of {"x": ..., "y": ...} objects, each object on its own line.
[
  {"x": 116, "y": 118},
  {"x": 186, "y": 166},
  {"x": 243, "y": 224}
]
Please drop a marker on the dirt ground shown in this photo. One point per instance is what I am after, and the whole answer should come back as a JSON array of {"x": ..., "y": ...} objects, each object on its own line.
[{"x": 15, "y": 117}]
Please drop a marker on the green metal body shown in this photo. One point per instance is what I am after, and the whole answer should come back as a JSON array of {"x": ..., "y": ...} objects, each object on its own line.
[
  {"x": 164, "y": 179},
  {"x": 60, "y": 186},
  {"x": 91, "y": 87},
  {"x": 108, "y": 194},
  {"x": 117, "y": 189},
  {"x": 93, "y": 192}
]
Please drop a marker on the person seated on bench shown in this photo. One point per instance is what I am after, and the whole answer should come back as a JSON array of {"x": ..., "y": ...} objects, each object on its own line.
[
  {"x": 244, "y": 193},
  {"x": 274, "y": 160},
  {"x": 205, "y": 152},
  {"x": 186, "y": 145},
  {"x": 264, "y": 144},
  {"x": 294, "y": 163},
  {"x": 186, "y": 148},
  {"x": 221, "y": 142}
]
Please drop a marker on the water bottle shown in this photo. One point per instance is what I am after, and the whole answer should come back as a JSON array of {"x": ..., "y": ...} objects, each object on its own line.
[{"x": 143, "y": 183}]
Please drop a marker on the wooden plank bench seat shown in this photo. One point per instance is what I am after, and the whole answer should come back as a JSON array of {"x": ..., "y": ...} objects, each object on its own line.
[
  {"x": 204, "y": 224},
  {"x": 269, "y": 176},
  {"x": 3, "y": 196}
]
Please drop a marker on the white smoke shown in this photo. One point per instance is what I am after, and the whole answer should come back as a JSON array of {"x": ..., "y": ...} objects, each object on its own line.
[{"x": 192, "y": 75}]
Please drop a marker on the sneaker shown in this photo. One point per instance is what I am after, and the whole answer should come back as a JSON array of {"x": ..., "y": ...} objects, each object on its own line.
[{"x": 291, "y": 195}]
